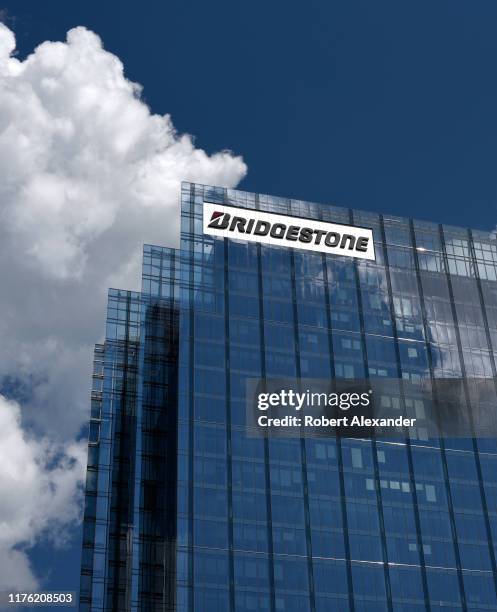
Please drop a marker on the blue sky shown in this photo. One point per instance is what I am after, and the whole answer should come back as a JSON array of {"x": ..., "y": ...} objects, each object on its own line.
[{"x": 384, "y": 106}]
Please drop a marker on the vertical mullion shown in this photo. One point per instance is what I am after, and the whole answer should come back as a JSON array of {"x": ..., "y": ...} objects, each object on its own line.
[
  {"x": 494, "y": 373},
  {"x": 443, "y": 454},
  {"x": 310, "y": 569},
  {"x": 133, "y": 558},
  {"x": 191, "y": 383},
  {"x": 229, "y": 467},
  {"x": 124, "y": 402},
  {"x": 388, "y": 590},
  {"x": 341, "y": 477},
  {"x": 410, "y": 462},
  {"x": 267, "y": 470}
]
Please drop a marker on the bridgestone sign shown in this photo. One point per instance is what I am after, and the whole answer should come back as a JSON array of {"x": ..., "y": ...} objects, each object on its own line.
[{"x": 284, "y": 231}]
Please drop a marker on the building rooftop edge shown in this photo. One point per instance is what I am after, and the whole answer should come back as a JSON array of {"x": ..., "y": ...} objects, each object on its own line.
[{"x": 488, "y": 234}]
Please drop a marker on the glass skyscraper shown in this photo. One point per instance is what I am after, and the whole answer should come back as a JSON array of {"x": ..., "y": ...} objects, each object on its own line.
[{"x": 186, "y": 512}]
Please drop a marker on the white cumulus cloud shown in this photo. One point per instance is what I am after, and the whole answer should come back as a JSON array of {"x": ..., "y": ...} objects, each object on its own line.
[
  {"x": 87, "y": 175},
  {"x": 40, "y": 489}
]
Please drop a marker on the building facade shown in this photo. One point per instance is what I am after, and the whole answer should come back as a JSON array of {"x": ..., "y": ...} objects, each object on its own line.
[{"x": 184, "y": 511}]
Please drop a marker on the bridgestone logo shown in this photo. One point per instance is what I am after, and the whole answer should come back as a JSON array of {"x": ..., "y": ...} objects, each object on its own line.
[{"x": 286, "y": 231}]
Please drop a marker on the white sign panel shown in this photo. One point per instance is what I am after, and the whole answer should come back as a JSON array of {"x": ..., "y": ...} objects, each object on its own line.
[{"x": 283, "y": 230}]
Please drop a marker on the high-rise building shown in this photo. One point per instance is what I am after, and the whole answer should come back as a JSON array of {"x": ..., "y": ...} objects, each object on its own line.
[{"x": 186, "y": 512}]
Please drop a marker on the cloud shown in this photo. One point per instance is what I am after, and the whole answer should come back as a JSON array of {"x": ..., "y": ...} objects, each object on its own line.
[
  {"x": 87, "y": 175},
  {"x": 40, "y": 485}
]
